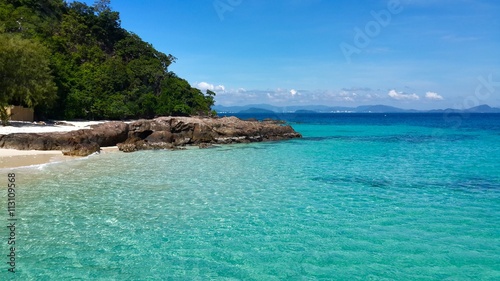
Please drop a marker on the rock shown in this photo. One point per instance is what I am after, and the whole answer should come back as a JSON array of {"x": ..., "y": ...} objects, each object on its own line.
[
  {"x": 203, "y": 133},
  {"x": 24, "y": 141},
  {"x": 107, "y": 134},
  {"x": 205, "y": 145},
  {"x": 62, "y": 123},
  {"x": 127, "y": 147},
  {"x": 181, "y": 131},
  {"x": 160, "y": 136},
  {"x": 144, "y": 145},
  {"x": 81, "y": 149}
]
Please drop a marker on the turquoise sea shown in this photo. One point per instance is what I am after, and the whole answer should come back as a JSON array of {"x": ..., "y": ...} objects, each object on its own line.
[{"x": 360, "y": 197}]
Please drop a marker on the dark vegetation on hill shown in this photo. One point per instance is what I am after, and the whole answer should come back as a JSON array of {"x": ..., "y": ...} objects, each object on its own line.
[{"x": 69, "y": 60}]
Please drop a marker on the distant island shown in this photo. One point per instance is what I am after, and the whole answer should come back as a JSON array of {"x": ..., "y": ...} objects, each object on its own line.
[
  {"x": 256, "y": 110},
  {"x": 265, "y": 108}
]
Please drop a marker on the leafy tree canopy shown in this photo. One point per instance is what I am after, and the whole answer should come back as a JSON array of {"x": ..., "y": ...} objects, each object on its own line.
[
  {"x": 83, "y": 64},
  {"x": 25, "y": 77}
]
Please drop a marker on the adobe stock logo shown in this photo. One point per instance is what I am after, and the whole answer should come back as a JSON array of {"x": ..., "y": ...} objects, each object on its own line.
[
  {"x": 479, "y": 95},
  {"x": 485, "y": 88},
  {"x": 363, "y": 38},
  {"x": 223, "y": 6}
]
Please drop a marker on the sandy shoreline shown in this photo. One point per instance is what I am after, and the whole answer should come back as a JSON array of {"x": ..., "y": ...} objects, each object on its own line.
[
  {"x": 28, "y": 127},
  {"x": 12, "y": 158}
]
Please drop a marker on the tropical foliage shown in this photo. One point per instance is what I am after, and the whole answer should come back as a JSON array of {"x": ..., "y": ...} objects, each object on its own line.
[{"x": 71, "y": 60}]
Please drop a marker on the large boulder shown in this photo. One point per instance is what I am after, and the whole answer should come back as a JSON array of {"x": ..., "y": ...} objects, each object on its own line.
[
  {"x": 172, "y": 132},
  {"x": 107, "y": 134},
  {"x": 81, "y": 149}
]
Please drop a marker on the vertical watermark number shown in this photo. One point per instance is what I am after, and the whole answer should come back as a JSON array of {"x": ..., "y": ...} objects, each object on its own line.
[{"x": 11, "y": 221}]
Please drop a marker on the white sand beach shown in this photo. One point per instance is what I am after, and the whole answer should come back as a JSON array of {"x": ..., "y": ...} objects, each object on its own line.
[
  {"x": 12, "y": 158},
  {"x": 28, "y": 127}
]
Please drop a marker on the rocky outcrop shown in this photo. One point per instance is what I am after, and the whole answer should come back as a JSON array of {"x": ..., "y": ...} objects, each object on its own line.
[
  {"x": 171, "y": 132},
  {"x": 159, "y": 133}
]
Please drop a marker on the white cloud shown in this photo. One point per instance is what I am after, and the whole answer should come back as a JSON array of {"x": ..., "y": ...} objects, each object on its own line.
[
  {"x": 433, "y": 96},
  {"x": 286, "y": 97},
  {"x": 204, "y": 86},
  {"x": 346, "y": 94},
  {"x": 207, "y": 86},
  {"x": 402, "y": 96}
]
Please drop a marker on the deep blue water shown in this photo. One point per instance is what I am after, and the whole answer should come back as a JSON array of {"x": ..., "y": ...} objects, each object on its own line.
[
  {"x": 360, "y": 196},
  {"x": 433, "y": 120}
]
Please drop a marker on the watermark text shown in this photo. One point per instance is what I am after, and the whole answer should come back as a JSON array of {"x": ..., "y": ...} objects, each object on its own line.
[
  {"x": 11, "y": 221},
  {"x": 223, "y": 6},
  {"x": 363, "y": 37}
]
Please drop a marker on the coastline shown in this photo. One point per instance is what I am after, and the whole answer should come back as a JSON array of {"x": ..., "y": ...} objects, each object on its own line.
[
  {"x": 59, "y": 126},
  {"x": 13, "y": 158},
  {"x": 25, "y": 144}
]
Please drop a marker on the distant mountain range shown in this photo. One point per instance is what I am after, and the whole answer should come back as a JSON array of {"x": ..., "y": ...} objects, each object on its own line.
[{"x": 266, "y": 108}]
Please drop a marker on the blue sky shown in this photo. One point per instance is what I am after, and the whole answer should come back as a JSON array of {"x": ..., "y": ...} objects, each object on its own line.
[{"x": 418, "y": 54}]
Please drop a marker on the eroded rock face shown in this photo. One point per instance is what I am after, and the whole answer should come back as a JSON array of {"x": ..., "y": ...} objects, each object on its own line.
[
  {"x": 82, "y": 149},
  {"x": 108, "y": 134},
  {"x": 159, "y": 133},
  {"x": 181, "y": 131}
]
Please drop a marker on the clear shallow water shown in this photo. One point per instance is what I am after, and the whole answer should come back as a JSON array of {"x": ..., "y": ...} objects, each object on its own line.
[{"x": 405, "y": 197}]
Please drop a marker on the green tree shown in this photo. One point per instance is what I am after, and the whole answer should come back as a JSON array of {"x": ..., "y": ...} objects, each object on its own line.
[
  {"x": 102, "y": 5},
  {"x": 100, "y": 69},
  {"x": 25, "y": 76}
]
